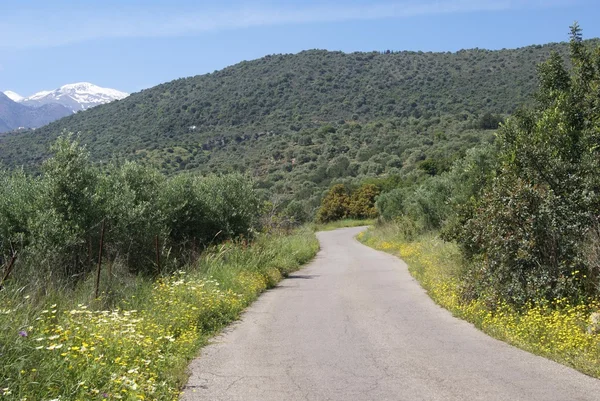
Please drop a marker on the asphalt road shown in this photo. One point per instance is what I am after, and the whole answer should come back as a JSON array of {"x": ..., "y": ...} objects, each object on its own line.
[{"x": 354, "y": 325}]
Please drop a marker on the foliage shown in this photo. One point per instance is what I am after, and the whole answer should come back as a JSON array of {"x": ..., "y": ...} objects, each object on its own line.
[
  {"x": 335, "y": 204},
  {"x": 132, "y": 204},
  {"x": 362, "y": 202},
  {"x": 65, "y": 349},
  {"x": 524, "y": 210},
  {"x": 530, "y": 226},
  {"x": 53, "y": 222},
  {"x": 342, "y": 202},
  {"x": 438, "y": 203},
  {"x": 390, "y": 204}
]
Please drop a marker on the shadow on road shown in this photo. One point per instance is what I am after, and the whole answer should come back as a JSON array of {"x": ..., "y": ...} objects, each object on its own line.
[{"x": 301, "y": 276}]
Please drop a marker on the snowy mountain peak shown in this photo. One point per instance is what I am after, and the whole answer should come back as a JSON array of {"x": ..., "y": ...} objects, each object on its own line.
[
  {"x": 15, "y": 97},
  {"x": 36, "y": 96},
  {"x": 80, "y": 88},
  {"x": 77, "y": 96}
]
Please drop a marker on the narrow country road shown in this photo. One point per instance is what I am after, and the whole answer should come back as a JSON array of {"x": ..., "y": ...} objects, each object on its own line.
[{"x": 355, "y": 326}]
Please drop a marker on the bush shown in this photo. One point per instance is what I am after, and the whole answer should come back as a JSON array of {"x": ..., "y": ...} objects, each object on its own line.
[
  {"x": 530, "y": 247},
  {"x": 532, "y": 226},
  {"x": 439, "y": 201},
  {"x": 362, "y": 202},
  {"x": 391, "y": 204},
  {"x": 334, "y": 205},
  {"x": 340, "y": 202},
  {"x": 130, "y": 196},
  {"x": 233, "y": 206},
  {"x": 54, "y": 221}
]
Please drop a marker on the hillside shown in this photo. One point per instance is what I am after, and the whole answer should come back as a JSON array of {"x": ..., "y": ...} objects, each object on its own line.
[{"x": 302, "y": 120}]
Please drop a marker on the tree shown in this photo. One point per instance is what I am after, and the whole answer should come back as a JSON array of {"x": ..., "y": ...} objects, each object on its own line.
[
  {"x": 361, "y": 204},
  {"x": 334, "y": 205},
  {"x": 530, "y": 226}
]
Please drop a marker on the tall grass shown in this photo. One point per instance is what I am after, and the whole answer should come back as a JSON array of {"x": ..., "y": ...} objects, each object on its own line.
[
  {"x": 65, "y": 347},
  {"x": 558, "y": 330}
]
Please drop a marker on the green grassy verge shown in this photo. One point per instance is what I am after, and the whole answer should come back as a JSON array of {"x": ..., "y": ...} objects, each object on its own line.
[
  {"x": 59, "y": 348},
  {"x": 334, "y": 225},
  {"x": 558, "y": 331}
]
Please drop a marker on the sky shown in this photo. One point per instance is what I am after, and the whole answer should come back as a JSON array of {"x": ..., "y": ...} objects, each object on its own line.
[{"x": 131, "y": 45}]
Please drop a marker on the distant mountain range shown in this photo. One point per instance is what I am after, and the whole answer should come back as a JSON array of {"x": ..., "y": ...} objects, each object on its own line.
[
  {"x": 14, "y": 115},
  {"x": 43, "y": 107}
]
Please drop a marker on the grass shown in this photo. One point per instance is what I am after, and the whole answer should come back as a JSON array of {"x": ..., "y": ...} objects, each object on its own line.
[
  {"x": 334, "y": 225},
  {"x": 63, "y": 349},
  {"x": 559, "y": 331}
]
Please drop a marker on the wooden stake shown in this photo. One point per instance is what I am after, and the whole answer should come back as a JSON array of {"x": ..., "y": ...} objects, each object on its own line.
[
  {"x": 89, "y": 253},
  {"x": 8, "y": 269},
  {"x": 157, "y": 253},
  {"x": 97, "y": 292}
]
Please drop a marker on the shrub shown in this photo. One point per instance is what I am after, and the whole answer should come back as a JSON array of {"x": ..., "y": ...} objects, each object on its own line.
[
  {"x": 54, "y": 221},
  {"x": 361, "y": 204},
  {"x": 233, "y": 205},
  {"x": 130, "y": 205},
  {"x": 532, "y": 225},
  {"x": 391, "y": 204},
  {"x": 527, "y": 237},
  {"x": 334, "y": 205}
]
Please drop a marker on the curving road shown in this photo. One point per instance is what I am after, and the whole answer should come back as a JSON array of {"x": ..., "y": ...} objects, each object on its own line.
[{"x": 355, "y": 326}]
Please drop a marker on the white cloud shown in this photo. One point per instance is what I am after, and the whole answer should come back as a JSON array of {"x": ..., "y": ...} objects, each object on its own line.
[{"x": 39, "y": 30}]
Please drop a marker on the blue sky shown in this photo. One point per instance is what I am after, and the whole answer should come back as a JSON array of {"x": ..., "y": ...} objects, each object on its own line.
[{"x": 131, "y": 45}]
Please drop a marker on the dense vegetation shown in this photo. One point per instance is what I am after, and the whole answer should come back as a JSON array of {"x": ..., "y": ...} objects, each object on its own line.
[
  {"x": 299, "y": 123},
  {"x": 54, "y": 226},
  {"x": 66, "y": 347},
  {"x": 341, "y": 202},
  {"x": 525, "y": 209}
]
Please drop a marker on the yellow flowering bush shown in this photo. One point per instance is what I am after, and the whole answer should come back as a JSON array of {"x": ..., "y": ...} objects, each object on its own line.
[
  {"x": 127, "y": 354},
  {"x": 559, "y": 330}
]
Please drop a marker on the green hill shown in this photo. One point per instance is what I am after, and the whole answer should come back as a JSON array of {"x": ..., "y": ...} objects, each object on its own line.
[{"x": 300, "y": 121}]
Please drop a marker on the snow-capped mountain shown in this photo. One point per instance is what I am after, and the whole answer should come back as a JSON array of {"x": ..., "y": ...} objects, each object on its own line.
[
  {"x": 15, "y": 97},
  {"x": 76, "y": 97}
]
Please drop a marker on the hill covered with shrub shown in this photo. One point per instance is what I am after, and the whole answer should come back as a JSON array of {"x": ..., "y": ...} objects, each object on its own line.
[{"x": 299, "y": 122}]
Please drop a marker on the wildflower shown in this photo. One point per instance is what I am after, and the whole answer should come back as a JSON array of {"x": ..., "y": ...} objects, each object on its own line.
[{"x": 22, "y": 333}]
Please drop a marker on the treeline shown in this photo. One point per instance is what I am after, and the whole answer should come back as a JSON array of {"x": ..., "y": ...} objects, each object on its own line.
[
  {"x": 525, "y": 210},
  {"x": 53, "y": 226}
]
